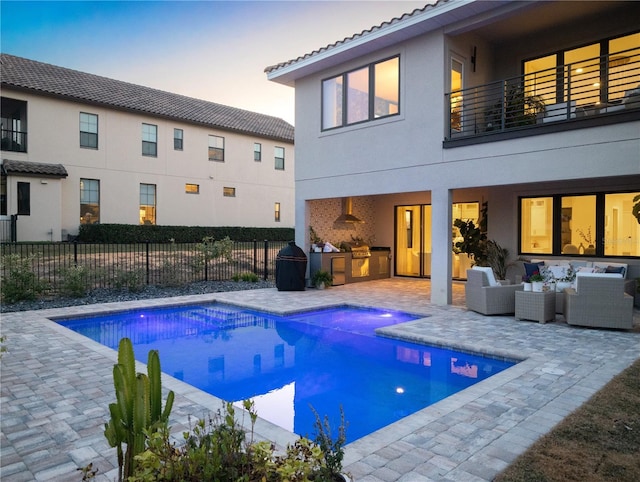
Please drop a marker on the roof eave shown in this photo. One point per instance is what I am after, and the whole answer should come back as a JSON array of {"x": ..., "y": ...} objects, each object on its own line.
[{"x": 431, "y": 18}]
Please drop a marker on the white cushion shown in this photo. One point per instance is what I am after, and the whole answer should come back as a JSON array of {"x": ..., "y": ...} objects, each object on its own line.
[
  {"x": 604, "y": 265},
  {"x": 489, "y": 272},
  {"x": 599, "y": 275}
]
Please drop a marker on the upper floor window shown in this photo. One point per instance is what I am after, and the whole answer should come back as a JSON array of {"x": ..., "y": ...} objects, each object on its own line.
[
  {"x": 216, "y": 148},
  {"x": 600, "y": 224},
  {"x": 229, "y": 191},
  {"x": 257, "y": 151},
  {"x": 591, "y": 78},
  {"x": 149, "y": 140},
  {"x": 147, "y": 204},
  {"x": 89, "y": 201},
  {"x": 279, "y": 158},
  {"x": 361, "y": 95},
  {"x": 14, "y": 125},
  {"x": 178, "y": 136},
  {"x": 88, "y": 130}
]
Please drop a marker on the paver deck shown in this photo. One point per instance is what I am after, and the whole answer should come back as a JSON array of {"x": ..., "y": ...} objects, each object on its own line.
[{"x": 56, "y": 387}]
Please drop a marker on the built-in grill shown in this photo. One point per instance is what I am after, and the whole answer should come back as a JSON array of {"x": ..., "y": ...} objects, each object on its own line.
[{"x": 359, "y": 251}]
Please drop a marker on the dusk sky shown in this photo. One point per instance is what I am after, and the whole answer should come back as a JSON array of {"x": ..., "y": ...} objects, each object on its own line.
[{"x": 212, "y": 50}]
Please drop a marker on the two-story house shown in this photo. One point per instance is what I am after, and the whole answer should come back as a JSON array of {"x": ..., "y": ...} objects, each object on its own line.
[
  {"x": 531, "y": 109},
  {"x": 79, "y": 148}
]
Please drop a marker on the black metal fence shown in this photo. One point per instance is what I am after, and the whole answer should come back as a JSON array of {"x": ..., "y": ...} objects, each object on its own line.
[{"x": 163, "y": 264}]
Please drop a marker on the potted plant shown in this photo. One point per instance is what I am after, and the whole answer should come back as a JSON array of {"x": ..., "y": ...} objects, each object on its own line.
[
  {"x": 526, "y": 283},
  {"x": 316, "y": 241},
  {"x": 497, "y": 259},
  {"x": 537, "y": 281},
  {"x": 321, "y": 279}
]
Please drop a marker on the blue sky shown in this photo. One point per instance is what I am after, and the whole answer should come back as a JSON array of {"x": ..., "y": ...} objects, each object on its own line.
[{"x": 213, "y": 50}]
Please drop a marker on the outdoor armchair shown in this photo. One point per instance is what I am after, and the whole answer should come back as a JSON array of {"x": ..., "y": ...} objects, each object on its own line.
[
  {"x": 485, "y": 295},
  {"x": 599, "y": 301}
]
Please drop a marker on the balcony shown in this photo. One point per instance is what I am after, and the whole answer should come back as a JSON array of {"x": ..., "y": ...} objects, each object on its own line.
[
  {"x": 595, "y": 91},
  {"x": 14, "y": 141}
]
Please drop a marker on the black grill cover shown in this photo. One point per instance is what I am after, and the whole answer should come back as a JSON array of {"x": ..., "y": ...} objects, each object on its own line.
[{"x": 291, "y": 267}]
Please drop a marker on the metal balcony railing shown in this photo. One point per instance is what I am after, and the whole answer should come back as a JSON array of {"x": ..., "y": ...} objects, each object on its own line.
[
  {"x": 15, "y": 141},
  {"x": 597, "y": 86}
]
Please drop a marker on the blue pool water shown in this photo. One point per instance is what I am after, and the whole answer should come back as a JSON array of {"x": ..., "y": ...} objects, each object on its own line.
[{"x": 325, "y": 359}]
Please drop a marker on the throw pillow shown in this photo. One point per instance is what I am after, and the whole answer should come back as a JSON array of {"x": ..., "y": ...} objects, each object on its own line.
[
  {"x": 614, "y": 269},
  {"x": 532, "y": 268}
]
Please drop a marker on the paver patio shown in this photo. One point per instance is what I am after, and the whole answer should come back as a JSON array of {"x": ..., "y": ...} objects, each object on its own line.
[{"x": 56, "y": 387}]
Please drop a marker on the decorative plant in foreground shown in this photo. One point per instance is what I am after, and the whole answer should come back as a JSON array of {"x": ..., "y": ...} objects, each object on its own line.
[{"x": 137, "y": 412}]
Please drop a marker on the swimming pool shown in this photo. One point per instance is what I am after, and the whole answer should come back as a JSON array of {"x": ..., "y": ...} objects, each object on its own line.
[{"x": 325, "y": 359}]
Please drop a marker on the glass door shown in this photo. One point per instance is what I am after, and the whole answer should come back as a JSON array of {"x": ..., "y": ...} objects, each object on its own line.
[{"x": 413, "y": 241}]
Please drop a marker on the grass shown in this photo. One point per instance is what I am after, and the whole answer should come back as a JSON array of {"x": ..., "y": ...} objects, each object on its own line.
[{"x": 598, "y": 442}]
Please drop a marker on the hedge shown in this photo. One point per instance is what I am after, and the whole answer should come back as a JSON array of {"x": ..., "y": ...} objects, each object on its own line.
[{"x": 127, "y": 233}]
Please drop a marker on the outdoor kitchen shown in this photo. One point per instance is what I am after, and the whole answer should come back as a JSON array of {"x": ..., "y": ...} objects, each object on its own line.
[{"x": 352, "y": 257}]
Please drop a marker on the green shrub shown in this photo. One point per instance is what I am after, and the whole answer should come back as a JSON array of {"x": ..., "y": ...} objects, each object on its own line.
[
  {"x": 127, "y": 233},
  {"x": 19, "y": 281},
  {"x": 133, "y": 280},
  {"x": 75, "y": 281},
  {"x": 221, "y": 449},
  {"x": 249, "y": 277}
]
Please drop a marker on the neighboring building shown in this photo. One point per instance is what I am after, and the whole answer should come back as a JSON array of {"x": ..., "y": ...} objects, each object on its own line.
[
  {"x": 531, "y": 107},
  {"x": 78, "y": 148}
]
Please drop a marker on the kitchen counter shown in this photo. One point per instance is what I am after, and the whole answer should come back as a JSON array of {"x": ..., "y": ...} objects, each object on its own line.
[{"x": 346, "y": 268}]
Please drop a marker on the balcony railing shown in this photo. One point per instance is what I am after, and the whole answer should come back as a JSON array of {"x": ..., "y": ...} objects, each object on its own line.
[
  {"x": 15, "y": 141},
  {"x": 593, "y": 87}
]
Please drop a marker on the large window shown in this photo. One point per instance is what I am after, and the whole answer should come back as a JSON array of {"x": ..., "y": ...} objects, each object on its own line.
[
  {"x": 89, "y": 201},
  {"x": 88, "y": 130},
  {"x": 149, "y": 140},
  {"x": 147, "y": 204},
  {"x": 24, "y": 198},
  {"x": 279, "y": 158},
  {"x": 216, "y": 148},
  {"x": 363, "y": 94},
  {"x": 594, "y": 76},
  {"x": 588, "y": 225}
]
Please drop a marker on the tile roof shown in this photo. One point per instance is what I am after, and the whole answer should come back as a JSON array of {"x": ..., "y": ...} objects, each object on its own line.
[
  {"x": 356, "y": 36},
  {"x": 30, "y": 75},
  {"x": 33, "y": 168}
]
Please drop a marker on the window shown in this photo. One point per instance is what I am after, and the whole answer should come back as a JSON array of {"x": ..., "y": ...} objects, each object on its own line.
[
  {"x": 177, "y": 139},
  {"x": 216, "y": 148},
  {"x": 279, "y": 158},
  {"x": 89, "y": 201},
  {"x": 149, "y": 140},
  {"x": 192, "y": 188},
  {"x": 257, "y": 151},
  {"x": 361, "y": 95},
  {"x": 592, "y": 76},
  {"x": 24, "y": 198},
  {"x": 147, "y": 204},
  {"x": 229, "y": 191},
  {"x": 277, "y": 212},
  {"x": 590, "y": 225},
  {"x": 88, "y": 130},
  {"x": 14, "y": 125}
]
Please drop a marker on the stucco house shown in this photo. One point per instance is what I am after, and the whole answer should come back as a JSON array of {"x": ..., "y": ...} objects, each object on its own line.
[
  {"x": 530, "y": 107},
  {"x": 80, "y": 148}
]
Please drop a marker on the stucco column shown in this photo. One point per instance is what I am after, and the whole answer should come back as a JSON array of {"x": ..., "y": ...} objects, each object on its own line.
[{"x": 441, "y": 200}]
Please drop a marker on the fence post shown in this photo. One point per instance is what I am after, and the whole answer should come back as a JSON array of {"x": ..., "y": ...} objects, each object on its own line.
[
  {"x": 14, "y": 228},
  {"x": 75, "y": 253},
  {"x": 147, "y": 260},
  {"x": 255, "y": 256},
  {"x": 266, "y": 259}
]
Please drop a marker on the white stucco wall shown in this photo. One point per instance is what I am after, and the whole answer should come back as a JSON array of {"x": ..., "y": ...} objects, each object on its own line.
[{"x": 118, "y": 163}]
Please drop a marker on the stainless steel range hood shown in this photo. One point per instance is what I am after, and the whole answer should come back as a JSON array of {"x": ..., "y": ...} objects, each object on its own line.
[{"x": 347, "y": 215}]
